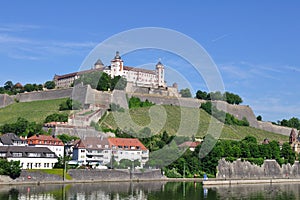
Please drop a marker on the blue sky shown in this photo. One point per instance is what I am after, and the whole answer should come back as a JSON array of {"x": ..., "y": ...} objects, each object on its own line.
[{"x": 255, "y": 44}]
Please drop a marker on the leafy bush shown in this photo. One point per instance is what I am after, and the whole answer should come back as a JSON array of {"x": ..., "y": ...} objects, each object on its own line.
[
  {"x": 57, "y": 117},
  {"x": 135, "y": 102},
  {"x": 10, "y": 168},
  {"x": 172, "y": 173},
  {"x": 70, "y": 104},
  {"x": 116, "y": 108}
]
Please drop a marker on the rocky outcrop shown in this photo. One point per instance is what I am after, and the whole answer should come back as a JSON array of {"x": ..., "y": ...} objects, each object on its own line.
[{"x": 245, "y": 170}]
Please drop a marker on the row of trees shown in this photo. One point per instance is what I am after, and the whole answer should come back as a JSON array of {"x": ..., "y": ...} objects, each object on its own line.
[
  {"x": 229, "y": 97},
  {"x": 293, "y": 122},
  {"x": 102, "y": 81},
  {"x": 11, "y": 88},
  {"x": 247, "y": 149},
  {"x": 135, "y": 102}
]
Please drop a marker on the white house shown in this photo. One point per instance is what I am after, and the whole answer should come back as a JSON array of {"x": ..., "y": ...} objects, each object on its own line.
[
  {"x": 51, "y": 142},
  {"x": 29, "y": 157},
  {"x": 92, "y": 151},
  {"x": 129, "y": 148}
]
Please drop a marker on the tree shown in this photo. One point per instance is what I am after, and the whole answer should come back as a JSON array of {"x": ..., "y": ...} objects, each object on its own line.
[
  {"x": 259, "y": 118},
  {"x": 118, "y": 83},
  {"x": 201, "y": 95},
  {"x": 67, "y": 138},
  {"x": 185, "y": 93},
  {"x": 10, "y": 168},
  {"x": 57, "y": 117},
  {"x": 49, "y": 85},
  {"x": 70, "y": 104},
  {"x": 8, "y": 85},
  {"x": 104, "y": 82}
]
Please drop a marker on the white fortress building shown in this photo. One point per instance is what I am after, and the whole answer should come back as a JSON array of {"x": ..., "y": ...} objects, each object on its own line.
[{"x": 135, "y": 76}]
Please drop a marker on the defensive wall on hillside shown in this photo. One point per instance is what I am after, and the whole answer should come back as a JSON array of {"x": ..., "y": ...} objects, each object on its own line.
[
  {"x": 245, "y": 170},
  {"x": 86, "y": 95},
  {"x": 6, "y": 100}
]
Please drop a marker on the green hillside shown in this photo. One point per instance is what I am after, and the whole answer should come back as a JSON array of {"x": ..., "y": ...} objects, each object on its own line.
[
  {"x": 32, "y": 111},
  {"x": 141, "y": 117}
]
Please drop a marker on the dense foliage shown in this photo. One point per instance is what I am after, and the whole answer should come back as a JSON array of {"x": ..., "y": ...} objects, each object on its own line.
[
  {"x": 116, "y": 108},
  {"x": 247, "y": 149},
  {"x": 227, "y": 96},
  {"x": 102, "y": 81},
  {"x": 70, "y": 104},
  {"x": 185, "y": 93},
  {"x": 292, "y": 122},
  {"x": 222, "y": 116},
  {"x": 22, "y": 127},
  {"x": 67, "y": 138},
  {"x": 135, "y": 102},
  {"x": 57, "y": 117},
  {"x": 10, "y": 168},
  {"x": 11, "y": 88}
]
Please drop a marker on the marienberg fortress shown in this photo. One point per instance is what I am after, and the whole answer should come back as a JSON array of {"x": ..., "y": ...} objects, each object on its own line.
[{"x": 142, "y": 83}]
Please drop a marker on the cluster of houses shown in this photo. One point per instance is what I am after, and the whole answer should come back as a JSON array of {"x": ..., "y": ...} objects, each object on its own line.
[{"x": 43, "y": 151}]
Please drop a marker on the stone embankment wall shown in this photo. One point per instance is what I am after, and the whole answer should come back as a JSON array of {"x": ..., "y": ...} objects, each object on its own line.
[
  {"x": 92, "y": 174},
  {"x": 246, "y": 170}
]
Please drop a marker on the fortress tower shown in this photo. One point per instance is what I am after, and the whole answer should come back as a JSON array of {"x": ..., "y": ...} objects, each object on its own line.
[
  {"x": 116, "y": 65},
  {"x": 160, "y": 71}
]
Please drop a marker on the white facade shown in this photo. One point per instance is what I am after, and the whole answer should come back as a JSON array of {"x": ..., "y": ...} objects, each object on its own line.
[
  {"x": 29, "y": 157},
  {"x": 35, "y": 163},
  {"x": 58, "y": 150},
  {"x": 141, "y": 77},
  {"x": 141, "y": 156}
]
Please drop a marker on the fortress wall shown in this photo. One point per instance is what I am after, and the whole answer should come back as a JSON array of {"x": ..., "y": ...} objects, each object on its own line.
[
  {"x": 166, "y": 100},
  {"x": 239, "y": 111},
  {"x": 6, "y": 100},
  {"x": 268, "y": 126},
  {"x": 269, "y": 169},
  {"x": 44, "y": 95}
]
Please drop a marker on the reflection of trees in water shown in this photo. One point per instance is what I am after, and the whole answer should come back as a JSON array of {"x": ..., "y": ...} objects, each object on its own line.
[{"x": 260, "y": 191}]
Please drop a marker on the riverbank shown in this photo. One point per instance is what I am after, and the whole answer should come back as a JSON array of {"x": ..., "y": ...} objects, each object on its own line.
[{"x": 213, "y": 182}]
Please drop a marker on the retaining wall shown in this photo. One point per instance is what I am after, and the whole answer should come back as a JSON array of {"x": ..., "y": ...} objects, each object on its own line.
[{"x": 44, "y": 95}]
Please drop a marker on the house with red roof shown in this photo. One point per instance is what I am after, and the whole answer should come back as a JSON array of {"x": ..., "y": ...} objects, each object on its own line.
[
  {"x": 189, "y": 144},
  {"x": 128, "y": 148},
  {"x": 51, "y": 142},
  {"x": 92, "y": 151}
]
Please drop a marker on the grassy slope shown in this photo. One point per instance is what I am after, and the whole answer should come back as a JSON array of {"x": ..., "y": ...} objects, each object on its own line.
[
  {"x": 32, "y": 111},
  {"x": 188, "y": 120}
]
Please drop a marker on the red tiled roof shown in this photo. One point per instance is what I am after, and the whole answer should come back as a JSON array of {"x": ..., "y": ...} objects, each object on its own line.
[
  {"x": 189, "y": 144},
  {"x": 129, "y": 142},
  {"x": 44, "y": 140}
]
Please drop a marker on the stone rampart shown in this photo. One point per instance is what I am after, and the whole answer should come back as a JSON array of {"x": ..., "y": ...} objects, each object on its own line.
[
  {"x": 245, "y": 170},
  {"x": 6, "y": 100},
  {"x": 44, "y": 95}
]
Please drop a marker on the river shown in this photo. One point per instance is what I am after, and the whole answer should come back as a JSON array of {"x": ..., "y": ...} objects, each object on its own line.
[{"x": 148, "y": 190}]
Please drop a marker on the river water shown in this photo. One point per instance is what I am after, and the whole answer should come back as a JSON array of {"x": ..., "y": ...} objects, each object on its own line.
[{"x": 148, "y": 190}]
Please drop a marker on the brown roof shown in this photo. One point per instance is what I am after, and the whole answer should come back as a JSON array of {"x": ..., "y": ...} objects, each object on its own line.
[
  {"x": 92, "y": 143},
  {"x": 189, "y": 144},
  {"x": 128, "y": 142},
  {"x": 58, "y": 77},
  {"x": 139, "y": 70}
]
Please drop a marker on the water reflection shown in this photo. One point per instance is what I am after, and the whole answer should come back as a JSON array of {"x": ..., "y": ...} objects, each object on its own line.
[{"x": 148, "y": 190}]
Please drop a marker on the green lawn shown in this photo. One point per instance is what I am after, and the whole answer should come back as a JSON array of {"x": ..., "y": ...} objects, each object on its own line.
[
  {"x": 181, "y": 121},
  {"x": 32, "y": 111}
]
